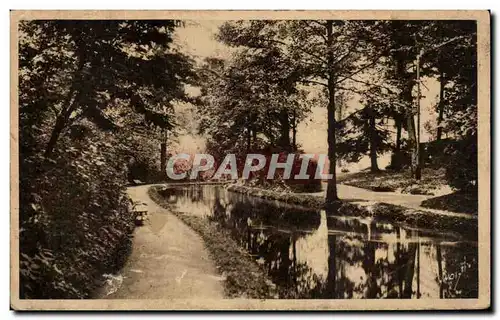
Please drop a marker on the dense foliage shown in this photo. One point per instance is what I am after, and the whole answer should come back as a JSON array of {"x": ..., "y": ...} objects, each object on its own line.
[
  {"x": 74, "y": 218},
  {"x": 94, "y": 100},
  {"x": 363, "y": 72}
]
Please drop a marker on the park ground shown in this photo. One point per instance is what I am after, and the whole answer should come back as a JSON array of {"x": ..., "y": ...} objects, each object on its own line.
[
  {"x": 431, "y": 192},
  {"x": 168, "y": 260},
  {"x": 177, "y": 256}
]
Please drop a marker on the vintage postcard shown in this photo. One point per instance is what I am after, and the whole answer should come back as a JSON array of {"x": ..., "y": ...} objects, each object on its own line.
[{"x": 250, "y": 160}]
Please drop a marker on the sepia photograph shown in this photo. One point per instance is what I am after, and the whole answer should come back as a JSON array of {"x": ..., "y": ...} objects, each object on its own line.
[{"x": 243, "y": 160}]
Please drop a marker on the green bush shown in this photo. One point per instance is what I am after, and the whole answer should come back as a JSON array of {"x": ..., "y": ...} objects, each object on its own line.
[
  {"x": 297, "y": 185},
  {"x": 144, "y": 171},
  {"x": 434, "y": 152},
  {"x": 75, "y": 221},
  {"x": 461, "y": 165},
  {"x": 399, "y": 161}
]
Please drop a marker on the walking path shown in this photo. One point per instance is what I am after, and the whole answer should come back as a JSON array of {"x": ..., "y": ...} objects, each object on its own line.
[
  {"x": 168, "y": 260},
  {"x": 364, "y": 196}
]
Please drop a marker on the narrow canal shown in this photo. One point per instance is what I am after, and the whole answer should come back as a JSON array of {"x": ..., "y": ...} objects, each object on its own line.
[{"x": 317, "y": 254}]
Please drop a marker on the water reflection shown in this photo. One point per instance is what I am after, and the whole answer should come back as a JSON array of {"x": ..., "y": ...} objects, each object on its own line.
[{"x": 316, "y": 254}]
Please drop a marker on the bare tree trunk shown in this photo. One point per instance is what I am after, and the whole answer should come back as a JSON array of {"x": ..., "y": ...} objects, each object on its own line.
[
  {"x": 254, "y": 138},
  {"x": 61, "y": 122},
  {"x": 249, "y": 138},
  {"x": 411, "y": 130},
  {"x": 405, "y": 115},
  {"x": 412, "y": 133},
  {"x": 340, "y": 115},
  {"x": 69, "y": 105},
  {"x": 399, "y": 129},
  {"x": 331, "y": 191},
  {"x": 249, "y": 240},
  {"x": 396, "y": 161},
  {"x": 56, "y": 132}
]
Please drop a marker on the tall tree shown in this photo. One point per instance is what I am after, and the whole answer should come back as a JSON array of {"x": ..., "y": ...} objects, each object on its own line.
[
  {"x": 327, "y": 53},
  {"x": 366, "y": 132},
  {"x": 251, "y": 102},
  {"x": 452, "y": 56},
  {"x": 442, "y": 48}
]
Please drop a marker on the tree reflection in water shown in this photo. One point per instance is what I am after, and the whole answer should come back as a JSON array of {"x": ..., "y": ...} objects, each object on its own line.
[{"x": 317, "y": 254}]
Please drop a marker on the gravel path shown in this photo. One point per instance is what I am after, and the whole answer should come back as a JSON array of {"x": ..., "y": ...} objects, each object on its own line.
[
  {"x": 413, "y": 201},
  {"x": 168, "y": 260}
]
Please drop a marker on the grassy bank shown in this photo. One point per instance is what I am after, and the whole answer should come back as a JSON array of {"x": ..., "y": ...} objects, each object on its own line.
[
  {"x": 304, "y": 200},
  {"x": 432, "y": 182},
  {"x": 465, "y": 226},
  {"x": 244, "y": 277},
  {"x": 459, "y": 201}
]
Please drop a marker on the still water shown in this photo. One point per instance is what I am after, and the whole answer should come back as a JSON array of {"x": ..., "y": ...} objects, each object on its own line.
[{"x": 317, "y": 254}]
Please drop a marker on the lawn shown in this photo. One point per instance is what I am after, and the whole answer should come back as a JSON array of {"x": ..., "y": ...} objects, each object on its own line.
[
  {"x": 433, "y": 181},
  {"x": 457, "y": 202}
]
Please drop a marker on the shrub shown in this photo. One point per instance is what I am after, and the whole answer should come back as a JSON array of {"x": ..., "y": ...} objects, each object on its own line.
[
  {"x": 461, "y": 165},
  {"x": 144, "y": 171},
  {"x": 75, "y": 222},
  {"x": 399, "y": 160},
  {"x": 309, "y": 185},
  {"x": 297, "y": 185}
]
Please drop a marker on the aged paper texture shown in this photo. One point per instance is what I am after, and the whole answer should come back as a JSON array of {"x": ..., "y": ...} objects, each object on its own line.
[{"x": 250, "y": 160}]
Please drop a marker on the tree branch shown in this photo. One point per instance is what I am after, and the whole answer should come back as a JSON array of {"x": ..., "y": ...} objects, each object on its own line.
[
  {"x": 300, "y": 48},
  {"x": 437, "y": 46},
  {"x": 316, "y": 33},
  {"x": 360, "y": 69},
  {"x": 347, "y": 53},
  {"x": 317, "y": 22},
  {"x": 314, "y": 82},
  {"x": 213, "y": 72},
  {"x": 372, "y": 84},
  {"x": 350, "y": 89},
  {"x": 351, "y": 115}
]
